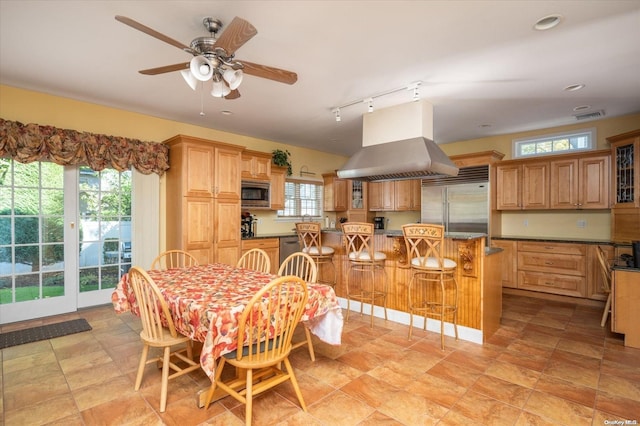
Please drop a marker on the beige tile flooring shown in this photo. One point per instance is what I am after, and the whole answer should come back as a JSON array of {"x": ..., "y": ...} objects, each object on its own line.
[{"x": 550, "y": 363}]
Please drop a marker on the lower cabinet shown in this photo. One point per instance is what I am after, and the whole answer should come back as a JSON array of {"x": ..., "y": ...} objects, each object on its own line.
[
  {"x": 269, "y": 245},
  {"x": 509, "y": 262}
]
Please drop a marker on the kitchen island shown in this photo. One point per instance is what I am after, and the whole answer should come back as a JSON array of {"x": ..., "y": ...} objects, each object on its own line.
[{"x": 478, "y": 277}]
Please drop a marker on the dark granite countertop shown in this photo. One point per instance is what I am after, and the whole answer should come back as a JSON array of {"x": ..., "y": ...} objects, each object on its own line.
[{"x": 553, "y": 240}]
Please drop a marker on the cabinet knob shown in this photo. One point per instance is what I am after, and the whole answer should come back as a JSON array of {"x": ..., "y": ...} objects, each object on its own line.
[{"x": 548, "y": 263}]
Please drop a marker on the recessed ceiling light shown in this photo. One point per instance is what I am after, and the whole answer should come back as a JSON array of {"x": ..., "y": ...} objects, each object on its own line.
[
  {"x": 582, "y": 107},
  {"x": 547, "y": 22},
  {"x": 226, "y": 112},
  {"x": 574, "y": 87},
  {"x": 482, "y": 126}
]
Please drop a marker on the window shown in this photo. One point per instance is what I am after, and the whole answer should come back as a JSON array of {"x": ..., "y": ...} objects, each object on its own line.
[
  {"x": 302, "y": 198},
  {"x": 560, "y": 143}
]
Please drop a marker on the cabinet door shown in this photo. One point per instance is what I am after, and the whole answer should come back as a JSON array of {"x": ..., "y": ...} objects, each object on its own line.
[
  {"x": 277, "y": 187},
  {"x": 227, "y": 173},
  {"x": 198, "y": 169},
  {"x": 335, "y": 194},
  {"x": 535, "y": 185},
  {"x": 375, "y": 196},
  {"x": 271, "y": 246},
  {"x": 227, "y": 231},
  {"x": 508, "y": 187},
  {"x": 509, "y": 262},
  {"x": 197, "y": 223},
  {"x": 626, "y": 172},
  {"x": 256, "y": 166},
  {"x": 407, "y": 195},
  {"x": 564, "y": 184},
  {"x": 594, "y": 183}
]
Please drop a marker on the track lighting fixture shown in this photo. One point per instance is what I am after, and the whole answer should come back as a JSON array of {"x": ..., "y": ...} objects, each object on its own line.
[{"x": 413, "y": 87}]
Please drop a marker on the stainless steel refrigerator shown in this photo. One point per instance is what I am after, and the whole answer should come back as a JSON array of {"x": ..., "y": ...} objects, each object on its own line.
[{"x": 460, "y": 207}]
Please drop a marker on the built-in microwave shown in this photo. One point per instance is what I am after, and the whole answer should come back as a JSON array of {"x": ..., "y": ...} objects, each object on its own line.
[{"x": 256, "y": 194}]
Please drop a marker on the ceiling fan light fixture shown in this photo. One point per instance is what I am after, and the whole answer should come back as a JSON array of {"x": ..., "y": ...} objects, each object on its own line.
[
  {"x": 189, "y": 78},
  {"x": 201, "y": 68},
  {"x": 219, "y": 90},
  {"x": 233, "y": 77}
]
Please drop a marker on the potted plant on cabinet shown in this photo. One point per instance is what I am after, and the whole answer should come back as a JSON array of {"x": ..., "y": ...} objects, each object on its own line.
[{"x": 281, "y": 158}]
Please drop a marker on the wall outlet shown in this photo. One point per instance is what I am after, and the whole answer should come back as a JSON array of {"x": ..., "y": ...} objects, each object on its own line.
[{"x": 581, "y": 223}]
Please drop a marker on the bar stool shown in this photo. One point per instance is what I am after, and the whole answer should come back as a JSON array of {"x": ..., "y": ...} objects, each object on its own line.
[
  {"x": 438, "y": 297},
  {"x": 362, "y": 257},
  {"x": 310, "y": 236}
]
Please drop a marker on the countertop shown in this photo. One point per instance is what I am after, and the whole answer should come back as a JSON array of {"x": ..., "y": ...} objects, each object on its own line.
[
  {"x": 388, "y": 232},
  {"x": 554, "y": 240}
]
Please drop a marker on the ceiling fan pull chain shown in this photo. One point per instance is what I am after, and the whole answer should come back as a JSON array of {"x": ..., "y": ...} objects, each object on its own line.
[{"x": 202, "y": 99}]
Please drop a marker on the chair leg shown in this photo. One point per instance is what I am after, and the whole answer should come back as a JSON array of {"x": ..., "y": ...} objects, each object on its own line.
[
  {"x": 605, "y": 314},
  {"x": 373, "y": 293},
  {"x": 165, "y": 378},
  {"x": 310, "y": 344},
  {"x": 141, "y": 366},
  {"x": 249, "y": 397},
  {"x": 294, "y": 382}
]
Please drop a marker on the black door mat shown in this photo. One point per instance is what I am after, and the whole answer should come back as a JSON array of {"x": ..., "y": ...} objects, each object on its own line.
[{"x": 43, "y": 332}]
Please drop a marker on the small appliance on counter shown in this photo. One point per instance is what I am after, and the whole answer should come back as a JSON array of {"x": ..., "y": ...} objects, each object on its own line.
[
  {"x": 247, "y": 228},
  {"x": 378, "y": 223}
]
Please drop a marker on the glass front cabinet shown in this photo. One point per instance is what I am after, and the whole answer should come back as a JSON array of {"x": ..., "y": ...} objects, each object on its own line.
[{"x": 625, "y": 153}]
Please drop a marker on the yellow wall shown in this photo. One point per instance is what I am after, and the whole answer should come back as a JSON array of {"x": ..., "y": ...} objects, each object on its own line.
[{"x": 33, "y": 107}]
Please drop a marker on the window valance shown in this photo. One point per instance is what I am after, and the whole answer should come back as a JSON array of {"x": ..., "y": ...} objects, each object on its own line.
[{"x": 31, "y": 142}]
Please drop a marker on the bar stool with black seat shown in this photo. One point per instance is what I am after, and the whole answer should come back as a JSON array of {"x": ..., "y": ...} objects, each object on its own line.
[
  {"x": 433, "y": 290},
  {"x": 310, "y": 236},
  {"x": 362, "y": 257}
]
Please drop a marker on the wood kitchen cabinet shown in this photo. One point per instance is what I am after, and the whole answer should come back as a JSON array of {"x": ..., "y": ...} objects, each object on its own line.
[
  {"x": 278, "y": 179},
  {"x": 335, "y": 193},
  {"x": 551, "y": 267},
  {"x": 270, "y": 245},
  {"x": 358, "y": 198},
  {"x": 256, "y": 165},
  {"x": 509, "y": 263},
  {"x": 580, "y": 182},
  {"x": 203, "y": 199},
  {"x": 522, "y": 186},
  {"x": 594, "y": 275},
  {"x": 625, "y": 176},
  {"x": 625, "y": 299},
  {"x": 400, "y": 195}
]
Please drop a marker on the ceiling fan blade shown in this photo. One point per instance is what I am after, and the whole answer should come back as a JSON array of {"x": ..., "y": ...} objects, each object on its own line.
[
  {"x": 237, "y": 33},
  {"x": 166, "y": 68},
  {"x": 234, "y": 94},
  {"x": 153, "y": 33},
  {"x": 283, "y": 76}
]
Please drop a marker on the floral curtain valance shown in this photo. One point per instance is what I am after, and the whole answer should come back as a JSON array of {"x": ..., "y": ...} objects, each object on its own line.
[{"x": 31, "y": 142}]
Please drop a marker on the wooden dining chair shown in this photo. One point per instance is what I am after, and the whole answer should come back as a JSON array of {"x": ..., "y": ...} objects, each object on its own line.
[
  {"x": 172, "y": 259},
  {"x": 153, "y": 308},
  {"x": 301, "y": 265},
  {"x": 256, "y": 259},
  {"x": 605, "y": 271},
  {"x": 274, "y": 311}
]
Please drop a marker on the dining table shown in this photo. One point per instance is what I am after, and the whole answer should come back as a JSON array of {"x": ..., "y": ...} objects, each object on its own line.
[{"x": 206, "y": 302}]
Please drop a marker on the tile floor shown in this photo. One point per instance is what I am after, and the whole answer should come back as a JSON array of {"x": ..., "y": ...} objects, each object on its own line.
[{"x": 550, "y": 363}]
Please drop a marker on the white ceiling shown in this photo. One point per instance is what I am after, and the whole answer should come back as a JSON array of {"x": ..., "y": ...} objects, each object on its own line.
[{"x": 481, "y": 62}]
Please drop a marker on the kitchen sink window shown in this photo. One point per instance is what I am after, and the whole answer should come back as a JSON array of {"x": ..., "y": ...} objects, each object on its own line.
[
  {"x": 559, "y": 143},
  {"x": 302, "y": 199}
]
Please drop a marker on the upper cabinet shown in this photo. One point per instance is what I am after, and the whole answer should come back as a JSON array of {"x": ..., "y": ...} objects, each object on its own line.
[
  {"x": 335, "y": 193},
  {"x": 625, "y": 212},
  {"x": 522, "y": 186},
  {"x": 561, "y": 182},
  {"x": 278, "y": 176},
  {"x": 400, "y": 195},
  {"x": 256, "y": 165},
  {"x": 580, "y": 183}
]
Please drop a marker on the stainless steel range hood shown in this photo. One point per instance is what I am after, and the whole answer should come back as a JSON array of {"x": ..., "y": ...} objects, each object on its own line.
[{"x": 398, "y": 144}]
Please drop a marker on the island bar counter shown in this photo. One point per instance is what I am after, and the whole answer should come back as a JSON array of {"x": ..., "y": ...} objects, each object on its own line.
[{"x": 478, "y": 277}]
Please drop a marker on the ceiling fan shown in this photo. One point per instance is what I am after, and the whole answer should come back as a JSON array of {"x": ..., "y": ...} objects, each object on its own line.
[{"x": 214, "y": 57}]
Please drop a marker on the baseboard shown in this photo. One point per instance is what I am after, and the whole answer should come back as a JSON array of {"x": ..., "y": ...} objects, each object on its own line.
[{"x": 554, "y": 297}]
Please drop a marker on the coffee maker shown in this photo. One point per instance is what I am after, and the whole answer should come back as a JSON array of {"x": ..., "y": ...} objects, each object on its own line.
[{"x": 378, "y": 223}]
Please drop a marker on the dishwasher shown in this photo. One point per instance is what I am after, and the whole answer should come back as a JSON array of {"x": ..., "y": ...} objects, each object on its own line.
[{"x": 288, "y": 245}]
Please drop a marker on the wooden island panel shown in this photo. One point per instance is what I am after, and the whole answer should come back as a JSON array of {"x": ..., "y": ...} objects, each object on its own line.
[{"x": 478, "y": 278}]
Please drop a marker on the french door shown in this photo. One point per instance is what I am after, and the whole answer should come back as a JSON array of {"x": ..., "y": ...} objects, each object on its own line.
[{"x": 64, "y": 237}]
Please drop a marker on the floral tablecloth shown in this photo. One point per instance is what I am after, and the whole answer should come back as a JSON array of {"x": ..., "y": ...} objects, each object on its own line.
[{"x": 206, "y": 302}]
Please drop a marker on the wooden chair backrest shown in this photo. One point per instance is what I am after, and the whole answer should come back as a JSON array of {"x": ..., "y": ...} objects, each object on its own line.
[
  {"x": 274, "y": 311},
  {"x": 172, "y": 259},
  {"x": 358, "y": 238},
  {"x": 423, "y": 241},
  {"x": 301, "y": 265},
  {"x": 605, "y": 269},
  {"x": 310, "y": 235},
  {"x": 153, "y": 307},
  {"x": 255, "y": 259}
]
